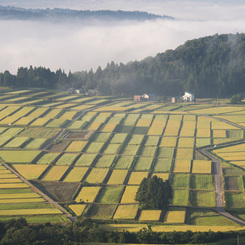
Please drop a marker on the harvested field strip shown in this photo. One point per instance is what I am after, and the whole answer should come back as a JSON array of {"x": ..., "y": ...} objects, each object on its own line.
[
  {"x": 203, "y": 198},
  {"x": 124, "y": 162},
  {"x": 168, "y": 142},
  {"x": 36, "y": 144},
  {"x": 17, "y": 142},
  {"x": 97, "y": 175},
  {"x": 117, "y": 177},
  {"x": 202, "y": 182},
  {"x": 180, "y": 197},
  {"x": 129, "y": 194},
  {"x": 143, "y": 163},
  {"x": 77, "y": 208},
  {"x": 76, "y": 146},
  {"x": 105, "y": 161},
  {"x": 29, "y": 211},
  {"x": 126, "y": 212},
  {"x": 55, "y": 173},
  {"x": 85, "y": 160},
  {"x": 150, "y": 215},
  {"x": 182, "y": 166},
  {"x": 48, "y": 158},
  {"x": 67, "y": 159},
  {"x": 184, "y": 153},
  {"x": 136, "y": 177},
  {"x": 30, "y": 171},
  {"x": 234, "y": 183},
  {"x": 110, "y": 194},
  {"x": 88, "y": 194},
  {"x": 136, "y": 139},
  {"x": 76, "y": 174},
  {"x": 19, "y": 156},
  {"x": 181, "y": 181},
  {"x": 59, "y": 146},
  {"x": 175, "y": 216},
  {"x": 201, "y": 167},
  {"x": 186, "y": 142}
]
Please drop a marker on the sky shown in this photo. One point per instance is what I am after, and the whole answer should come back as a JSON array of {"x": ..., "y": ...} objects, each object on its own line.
[{"x": 74, "y": 46}]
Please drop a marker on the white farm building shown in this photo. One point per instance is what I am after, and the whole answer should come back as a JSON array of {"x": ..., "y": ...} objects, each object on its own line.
[{"x": 188, "y": 97}]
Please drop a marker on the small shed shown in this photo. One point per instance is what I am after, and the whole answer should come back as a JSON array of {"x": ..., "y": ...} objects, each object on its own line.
[{"x": 188, "y": 97}]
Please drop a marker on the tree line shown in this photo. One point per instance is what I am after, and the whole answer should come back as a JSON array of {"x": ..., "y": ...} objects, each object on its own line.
[
  {"x": 18, "y": 231},
  {"x": 208, "y": 67}
]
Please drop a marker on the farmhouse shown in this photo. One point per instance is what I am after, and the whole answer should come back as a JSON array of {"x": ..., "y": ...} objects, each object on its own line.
[
  {"x": 188, "y": 97},
  {"x": 144, "y": 97}
]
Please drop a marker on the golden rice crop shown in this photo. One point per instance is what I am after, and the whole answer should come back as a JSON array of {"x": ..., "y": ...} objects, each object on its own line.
[
  {"x": 202, "y": 167},
  {"x": 222, "y": 125},
  {"x": 171, "y": 131},
  {"x": 9, "y": 120},
  {"x": 94, "y": 126},
  {"x": 203, "y": 132},
  {"x": 56, "y": 123},
  {"x": 36, "y": 143},
  {"x": 21, "y": 200},
  {"x": 16, "y": 180},
  {"x": 150, "y": 215},
  {"x": 41, "y": 121},
  {"x": 219, "y": 133},
  {"x": 168, "y": 142},
  {"x": 53, "y": 113},
  {"x": 24, "y": 121},
  {"x": 88, "y": 194},
  {"x": 76, "y": 174},
  {"x": 7, "y": 176},
  {"x": 5, "y": 171},
  {"x": 30, "y": 171},
  {"x": 117, "y": 177},
  {"x": 182, "y": 166},
  {"x": 137, "y": 177},
  {"x": 175, "y": 217},
  {"x": 186, "y": 142},
  {"x": 19, "y": 156},
  {"x": 17, "y": 142},
  {"x": 126, "y": 212},
  {"x": 13, "y": 185},
  {"x": 157, "y": 127},
  {"x": 97, "y": 175},
  {"x": 55, "y": 173},
  {"x": 19, "y": 195},
  {"x": 143, "y": 122},
  {"x": 37, "y": 211},
  {"x": 203, "y": 124},
  {"x": 129, "y": 194},
  {"x": 67, "y": 159},
  {"x": 109, "y": 127},
  {"x": 76, "y": 146},
  {"x": 184, "y": 153},
  {"x": 77, "y": 208},
  {"x": 68, "y": 115}
]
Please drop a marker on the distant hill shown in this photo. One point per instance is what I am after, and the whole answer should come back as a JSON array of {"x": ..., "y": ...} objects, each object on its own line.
[{"x": 66, "y": 14}]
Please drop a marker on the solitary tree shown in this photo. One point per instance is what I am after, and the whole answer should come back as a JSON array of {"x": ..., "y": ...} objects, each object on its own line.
[{"x": 153, "y": 193}]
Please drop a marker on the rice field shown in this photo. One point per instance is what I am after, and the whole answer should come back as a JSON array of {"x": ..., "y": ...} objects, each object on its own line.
[
  {"x": 126, "y": 212},
  {"x": 85, "y": 160},
  {"x": 129, "y": 194},
  {"x": 76, "y": 174},
  {"x": 88, "y": 194},
  {"x": 19, "y": 156},
  {"x": 110, "y": 194},
  {"x": 66, "y": 159},
  {"x": 136, "y": 177},
  {"x": 30, "y": 171},
  {"x": 175, "y": 217},
  {"x": 124, "y": 162},
  {"x": 55, "y": 173},
  {"x": 97, "y": 175},
  {"x": 150, "y": 215},
  {"x": 76, "y": 146}
]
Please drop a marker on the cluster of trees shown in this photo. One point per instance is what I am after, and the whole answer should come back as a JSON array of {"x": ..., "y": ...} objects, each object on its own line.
[
  {"x": 14, "y": 232},
  {"x": 154, "y": 193},
  {"x": 209, "y": 67}
]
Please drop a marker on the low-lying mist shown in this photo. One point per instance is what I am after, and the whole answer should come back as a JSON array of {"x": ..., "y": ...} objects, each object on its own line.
[{"x": 75, "y": 46}]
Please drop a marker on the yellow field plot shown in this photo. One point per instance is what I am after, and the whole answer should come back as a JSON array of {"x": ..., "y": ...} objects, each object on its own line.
[
  {"x": 53, "y": 113},
  {"x": 219, "y": 133},
  {"x": 186, "y": 142},
  {"x": 129, "y": 194},
  {"x": 13, "y": 186},
  {"x": 88, "y": 194},
  {"x": 7, "y": 176},
  {"x": 67, "y": 159},
  {"x": 48, "y": 158},
  {"x": 40, "y": 121},
  {"x": 22, "y": 200},
  {"x": 117, "y": 177},
  {"x": 137, "y": 177},
  {"x": 38, "y": 112},
  {"x": 38, "y": 211},
  {"x": 150, "y": 215},
  {"x": 64, "y": 105},
  {"x": 9, "y": 120},
  {"x": 94, "y": 126},
  {"x": 68, "y": 115},
  {"x": 5, "y": 171},
  {"x": 77, "y": 208},
  {"x": 19, "y": 156},
  {"x": 187, "y": 131},
  {"x": 221, "y": 125},
  {"x": 126, "y": 212},
  {"x": 171, "y": 130},
  {"x": 143, "y": 122},
  {"x": 203, "y": 133},
  {"x": 175, "y": 217},
  {"x": 30, "y": 171},
  {"x": 201, "y": 167},
  {"x": 19, "y": 195},
  {"x": 97, "y": 175},
  {"x": 36, "y": 143},
  {"x": 182, "y": 166},
  {"x": 230, "y": 149},
  {"x": 112, "y": 108},
  {"x": 217, "y": 110},
  {"x": 8, "y": 110},
  {"x": 17, "y": 142},
  {"x": 24, "y": 121},
  {"x": 163, "y": 176},
  {"x": 80, "y": 107},
  {"x": 57, "y": 123},
  {"x": 205, "y": 124},
  {"x": 184, "y": 153},
  {"x": 16, "y": 180},
  {"x": 157, "y": 127},
  {"x": 175, "y": 117},
  {"x": 189, "y": 118},
  {"x": 168, "y": 142},
  {"x": 76, "y": 146},
  {"x": 5, "y": 139},
  {"x": 55, "y": 173},
  {"x": 109, "y": 127},
  {"x": 23, "y": 111},
  {"x": 76, "y": 174}
]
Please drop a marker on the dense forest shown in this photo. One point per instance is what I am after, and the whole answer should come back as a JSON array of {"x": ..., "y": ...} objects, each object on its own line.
[
  {"x": 209, "y": 67},
  {"x": 69, "y": 14},
  {"x": 17, "y": 231}
]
